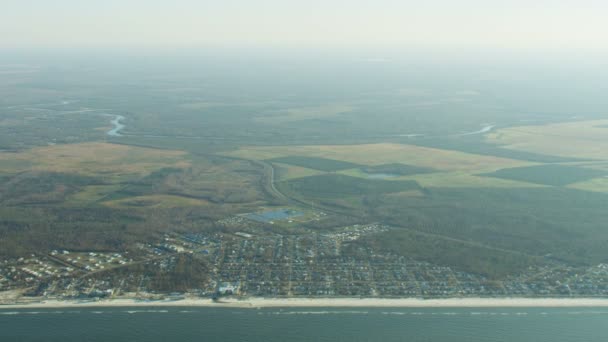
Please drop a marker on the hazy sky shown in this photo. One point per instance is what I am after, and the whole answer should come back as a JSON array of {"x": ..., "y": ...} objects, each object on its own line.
[{"x": 559, "y": 24}]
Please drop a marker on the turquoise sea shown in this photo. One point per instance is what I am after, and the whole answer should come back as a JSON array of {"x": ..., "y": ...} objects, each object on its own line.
[{"x": 305, "y": 324}]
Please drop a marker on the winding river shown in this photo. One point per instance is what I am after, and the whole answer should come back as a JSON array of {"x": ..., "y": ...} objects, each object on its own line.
[
  {"x": 118, "y": 126},
  {"x": 486, "y": 129}
]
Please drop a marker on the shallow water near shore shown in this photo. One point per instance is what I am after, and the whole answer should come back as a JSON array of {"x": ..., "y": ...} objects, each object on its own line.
[{"x": 304, "y": 324}]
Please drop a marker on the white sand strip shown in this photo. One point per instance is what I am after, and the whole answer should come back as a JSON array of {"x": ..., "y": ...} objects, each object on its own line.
[{"x": 255, "y": 302}]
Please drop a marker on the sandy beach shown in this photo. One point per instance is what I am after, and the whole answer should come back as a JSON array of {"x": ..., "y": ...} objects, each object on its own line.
[{"x": 256, "y": 302}]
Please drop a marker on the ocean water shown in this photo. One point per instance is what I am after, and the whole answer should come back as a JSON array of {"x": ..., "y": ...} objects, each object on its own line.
[{"x": 305, "y": 324}]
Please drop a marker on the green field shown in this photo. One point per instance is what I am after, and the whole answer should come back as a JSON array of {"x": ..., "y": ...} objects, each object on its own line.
[
  {"x": 397, "y": 169},
  {"x": 556, "y": 175},
  {"x": 339, "y": 186}
]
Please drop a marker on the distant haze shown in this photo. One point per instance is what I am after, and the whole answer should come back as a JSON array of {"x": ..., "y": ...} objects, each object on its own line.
[{"x": 514, "y": 24}]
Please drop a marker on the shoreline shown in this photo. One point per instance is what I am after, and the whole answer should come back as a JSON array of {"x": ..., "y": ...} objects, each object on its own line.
[{"x": 257, "y": 302}]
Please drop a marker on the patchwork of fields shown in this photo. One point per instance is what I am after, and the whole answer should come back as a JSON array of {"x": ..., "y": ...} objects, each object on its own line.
[
  {"x": 535, "y": 207},
  {"x": 435, "y": 194},
  {"x": 438, "y": 167},
  {"x": 391, "y": 162},
  {"x": 384, "y": 153}
]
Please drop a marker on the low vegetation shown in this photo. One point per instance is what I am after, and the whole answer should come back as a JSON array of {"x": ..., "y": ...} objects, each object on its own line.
[
  {"x": 70, "y": 200},
  {"x": 339, "y": 186},
  {"x": 397, "y": 169},
  {"x": 111, "y": 161},
  {"x": 556, "y": 175}
]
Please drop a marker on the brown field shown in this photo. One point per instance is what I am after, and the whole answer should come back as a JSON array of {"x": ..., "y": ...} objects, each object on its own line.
[
  {"x": 305, "y": 113},
  {"x": 580, "y": 139},
  {"x": 450, "y": 179},
  {"x": 596, "y": 184},
  {"x": 459, "y": 180},
  {"x": 285, "y": 171},
  {"x": 92, "y": 159}
]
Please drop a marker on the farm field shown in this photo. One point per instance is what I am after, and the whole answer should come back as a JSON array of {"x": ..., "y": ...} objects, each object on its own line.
[
  {"x": 447, "y": 179},
  {"x": 304, "y": 113},
  {"x": 397, "y": 169},
  {"x": 385, "y": 153},
  {"x": 430, "y": 167},
  {"x": 579, "y": 139},
  {"x": 286, "y": 171},
  {"x": 321, "y": 164},
  {"x": 340, "y": 186},
  {"x": 595, "y": 185},
  {"x": 462, "y": 179},
  {"x": 556, "y": 175}
]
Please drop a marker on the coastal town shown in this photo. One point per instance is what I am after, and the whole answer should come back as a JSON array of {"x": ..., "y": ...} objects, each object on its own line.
[{"x": 257, "y": 262}]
